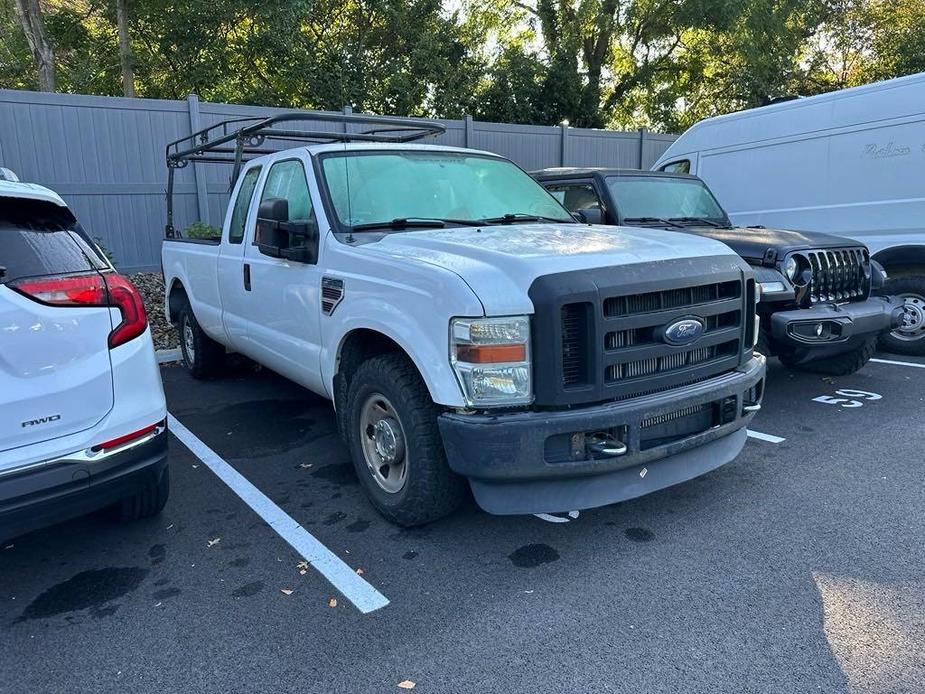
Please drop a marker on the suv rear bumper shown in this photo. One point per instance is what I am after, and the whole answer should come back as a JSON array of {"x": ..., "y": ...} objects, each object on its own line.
[
  {"x": 61, "y": 489},
  {"x": 514, "y": 461},
  {"x": 845, "y": 326}
]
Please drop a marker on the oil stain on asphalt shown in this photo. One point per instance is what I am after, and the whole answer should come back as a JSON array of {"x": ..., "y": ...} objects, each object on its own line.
[
  {"x": 247, "y": 590},
  {"x": 86, "y": 590},
  {"x": 531, "y": 556},
  {"x": 337, "y": 473},
  {"x": 639, "y": 534}
]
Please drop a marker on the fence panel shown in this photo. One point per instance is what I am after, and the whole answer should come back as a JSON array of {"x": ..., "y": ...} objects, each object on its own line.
[{"x": 105, "y": 157}]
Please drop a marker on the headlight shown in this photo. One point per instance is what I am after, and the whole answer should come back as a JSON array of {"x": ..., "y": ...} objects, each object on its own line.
[
  {"x": 790, "y": 268},
  {"x": 491, "y": 357}
]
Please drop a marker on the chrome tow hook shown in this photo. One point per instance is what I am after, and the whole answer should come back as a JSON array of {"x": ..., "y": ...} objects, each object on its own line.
[
  {"x": 751, "y": 406},
  {"x": 606, "y": 445}
]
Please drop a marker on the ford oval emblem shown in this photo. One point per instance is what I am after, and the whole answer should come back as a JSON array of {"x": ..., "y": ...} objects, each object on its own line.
[{"x": 684, "y": 331}]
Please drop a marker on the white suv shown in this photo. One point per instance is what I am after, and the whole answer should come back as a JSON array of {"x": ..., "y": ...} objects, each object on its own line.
[{"x": 82, "y": 409}]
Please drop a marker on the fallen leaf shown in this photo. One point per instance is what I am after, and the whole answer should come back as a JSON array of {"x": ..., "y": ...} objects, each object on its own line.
[
  {"x": 214, "y": 542},
  {"x": 332, "y": 602},
  {"x": 285, "y": 591},
  {"x": 406, "y": 684},
  {"x": 305, "y": 466},
  {"x": 360, "y": 572},
  {"x": 158, "y": 604},
  {"x": 169, "y": 526},
  {"x": 9, "y": 547}
]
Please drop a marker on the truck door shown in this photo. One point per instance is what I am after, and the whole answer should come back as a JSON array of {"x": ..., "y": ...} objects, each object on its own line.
[
  {"x": 232, "y": 272},
  {"x": 284, "y": 302}
]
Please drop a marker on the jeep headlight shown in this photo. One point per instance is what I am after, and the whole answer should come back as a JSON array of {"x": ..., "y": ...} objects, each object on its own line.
[
  {"x": 491, "y": 358},
  {"x": 790, "y": 268}
]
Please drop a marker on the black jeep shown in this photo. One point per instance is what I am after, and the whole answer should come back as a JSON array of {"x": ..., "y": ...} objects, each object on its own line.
[{"x": 817, "y": 310}]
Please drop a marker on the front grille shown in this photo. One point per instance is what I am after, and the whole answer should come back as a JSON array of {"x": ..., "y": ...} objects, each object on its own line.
[
  {"x": 575, "y": 343},
  {"x": 669, "y": 298},
  {"x": 839, "y": 275},
  {"x": 670, "y": 362}
]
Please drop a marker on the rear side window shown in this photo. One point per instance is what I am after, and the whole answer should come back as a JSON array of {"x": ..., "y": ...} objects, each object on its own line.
[
  {"x": 40, "y": 238},
  {"x": 241, "y": 204}
]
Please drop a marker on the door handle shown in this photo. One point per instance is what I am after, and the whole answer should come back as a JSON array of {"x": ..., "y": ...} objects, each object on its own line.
[{"x": 247, "y": 277}]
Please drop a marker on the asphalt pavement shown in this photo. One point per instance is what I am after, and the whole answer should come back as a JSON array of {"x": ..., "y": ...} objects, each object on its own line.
[{"x": 798, "y": 567}]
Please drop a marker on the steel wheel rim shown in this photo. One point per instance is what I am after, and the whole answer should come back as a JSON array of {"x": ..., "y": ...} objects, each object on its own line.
[
  {"x": 189, "y": 341},
  {"x": 383, "y": 441},
  {"x": 913, "y": 327}
]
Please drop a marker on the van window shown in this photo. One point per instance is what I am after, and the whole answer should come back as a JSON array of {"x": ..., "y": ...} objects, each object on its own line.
[
  {"x": 241, "y": 204},
  {"x": 679, "y": 166}
]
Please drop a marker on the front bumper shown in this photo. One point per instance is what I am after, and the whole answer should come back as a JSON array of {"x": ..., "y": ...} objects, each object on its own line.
[
  {"x": 527, "y": 462},
  {"x": 843, "y": 326},
  {"x": 44, "y": 494}
]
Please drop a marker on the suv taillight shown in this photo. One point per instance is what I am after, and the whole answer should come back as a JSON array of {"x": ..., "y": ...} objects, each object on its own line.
[{"x": 108, "y": 289}]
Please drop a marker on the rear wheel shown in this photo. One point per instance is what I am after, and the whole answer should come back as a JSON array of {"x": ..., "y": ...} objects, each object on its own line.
[
  {"x": 148, "y": 502},
  {"x": 840, "y": 364},
  {"x": 909, "y": 338},
  {"x": 202, "y": 355},
  {"x": 395, "y": 443}
]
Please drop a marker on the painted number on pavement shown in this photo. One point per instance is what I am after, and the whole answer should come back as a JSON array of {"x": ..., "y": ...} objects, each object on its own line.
[{"x": 850, "y": 398}]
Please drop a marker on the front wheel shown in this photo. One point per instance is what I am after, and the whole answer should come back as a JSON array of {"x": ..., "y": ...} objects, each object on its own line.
[
  {"x": 908, "y": 338},
  {"x": 395, "y": 443},
  {"x": 840, "y": 364}
]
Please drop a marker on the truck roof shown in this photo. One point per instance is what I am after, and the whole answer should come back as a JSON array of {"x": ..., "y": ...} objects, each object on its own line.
[
  {"x": 578, "y": 171},
  {"x": 31, "y": 191}
]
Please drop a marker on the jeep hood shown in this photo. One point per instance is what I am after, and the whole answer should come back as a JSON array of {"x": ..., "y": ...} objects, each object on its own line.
[
  {"x": 753, "y": 243},
  {"x": 500, "y": 262}
]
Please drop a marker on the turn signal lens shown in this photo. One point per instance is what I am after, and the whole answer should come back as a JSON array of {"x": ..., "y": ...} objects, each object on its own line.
[
  {"x": 491, "y": 357},
  {"x": 490, "y": 354}
]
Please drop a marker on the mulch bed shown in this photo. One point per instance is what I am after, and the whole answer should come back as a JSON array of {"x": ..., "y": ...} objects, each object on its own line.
[{"x": 151, "y": 286}]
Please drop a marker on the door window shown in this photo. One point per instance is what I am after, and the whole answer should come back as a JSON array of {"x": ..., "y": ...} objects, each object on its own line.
[
  {"x": 576, "y": 196},
  {"x": 242, "y": 204},
  {"x": 680, "y": 166},
  {"x": 286, "y": 180}
]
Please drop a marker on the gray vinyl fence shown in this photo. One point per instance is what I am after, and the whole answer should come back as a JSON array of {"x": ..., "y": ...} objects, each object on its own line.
[{"x": 105, "y": 157}]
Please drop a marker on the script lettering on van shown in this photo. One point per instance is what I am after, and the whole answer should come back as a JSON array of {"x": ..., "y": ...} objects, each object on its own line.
[
  {"x": 887, "y": 151},
  {"x": 41, "y": 420}
]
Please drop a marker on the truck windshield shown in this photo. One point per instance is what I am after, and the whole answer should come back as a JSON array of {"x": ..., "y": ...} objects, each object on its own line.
[
  {"x": 676, "y": 199},
  {"x": 390, "y": 189}
]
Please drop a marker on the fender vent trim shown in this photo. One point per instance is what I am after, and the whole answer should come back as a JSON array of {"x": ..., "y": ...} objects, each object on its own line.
[{"x": 332, "y": 293}]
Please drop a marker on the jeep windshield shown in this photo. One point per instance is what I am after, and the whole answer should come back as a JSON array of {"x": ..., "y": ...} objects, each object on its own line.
[
  {"x": 665, "y": 201},
  {"x": 405, "y": 190}
]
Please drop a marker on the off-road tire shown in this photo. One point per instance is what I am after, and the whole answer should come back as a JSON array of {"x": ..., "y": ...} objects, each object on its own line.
[
  {"x": 840, "y": 364},
  {"x": 431, "y": 490},
  {"x": 208, "y": 356},
  {"x": 148, "y": 502},
  {"x": 915, "y": 285}
]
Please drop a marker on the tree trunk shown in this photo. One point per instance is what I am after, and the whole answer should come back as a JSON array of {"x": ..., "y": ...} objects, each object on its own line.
[
  {"x": 125, "y": 49},
  {"x": 30, "y": 18}
]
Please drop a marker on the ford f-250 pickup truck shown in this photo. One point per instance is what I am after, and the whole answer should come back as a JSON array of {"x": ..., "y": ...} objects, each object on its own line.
[
  {"x": 817, "y": 308},
  {"x": 465, "y": 325}
]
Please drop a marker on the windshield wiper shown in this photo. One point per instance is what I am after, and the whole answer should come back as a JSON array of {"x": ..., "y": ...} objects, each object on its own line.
[
  {"x": 517, "y": 217},
  {"x": 400, "y": 223},
  {"x": 700, "y": 220},
  {"x": 650, "y": 220}
]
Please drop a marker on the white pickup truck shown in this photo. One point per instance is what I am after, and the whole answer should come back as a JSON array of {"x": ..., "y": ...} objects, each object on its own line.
[{"x": 465, "y": 325}]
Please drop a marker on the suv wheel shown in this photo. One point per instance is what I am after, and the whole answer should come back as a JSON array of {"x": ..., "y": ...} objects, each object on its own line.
[
  {"x": 395, "y": 443},
  {"x": 148, "y": 502},
  {"x": 840, "y": 364},
  {"x": 202, "y": 355},
  {"x": 909, "y": 338}
]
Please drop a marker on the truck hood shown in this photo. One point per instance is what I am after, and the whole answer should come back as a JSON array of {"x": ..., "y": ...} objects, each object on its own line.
[
  {"x": 500, "y": 262},
  {"x": 753, "y": 243}
]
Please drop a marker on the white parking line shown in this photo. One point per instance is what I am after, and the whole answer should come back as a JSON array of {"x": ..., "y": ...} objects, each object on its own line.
[
  {"x": 364, "y": 597},
  {"x": 770, "y": 438},
  {"x": 899, "y": 363}
]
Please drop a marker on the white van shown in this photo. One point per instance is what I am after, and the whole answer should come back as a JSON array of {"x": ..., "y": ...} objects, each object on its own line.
[{"x": 850, "y": 163}]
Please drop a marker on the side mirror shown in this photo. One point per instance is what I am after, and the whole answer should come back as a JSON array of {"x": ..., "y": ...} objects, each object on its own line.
[
  {"x": 277, "y": 237},
  {"x": 590, "y": 215}
]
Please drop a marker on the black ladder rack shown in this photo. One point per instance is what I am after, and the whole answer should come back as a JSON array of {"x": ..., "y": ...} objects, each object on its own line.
[{"x": 238, "y": 140}]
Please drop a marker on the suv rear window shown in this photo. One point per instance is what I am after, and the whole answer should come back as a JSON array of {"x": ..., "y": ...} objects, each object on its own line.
[{"x": 40, "y": 238}]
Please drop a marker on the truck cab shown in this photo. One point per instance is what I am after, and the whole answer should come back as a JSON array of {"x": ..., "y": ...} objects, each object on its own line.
[
  {"x": 469, "y": 331},
  {"x": 817, "y": 309}
]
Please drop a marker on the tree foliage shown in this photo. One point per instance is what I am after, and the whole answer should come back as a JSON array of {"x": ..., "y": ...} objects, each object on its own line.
[{"x": 662, "y": 64}]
